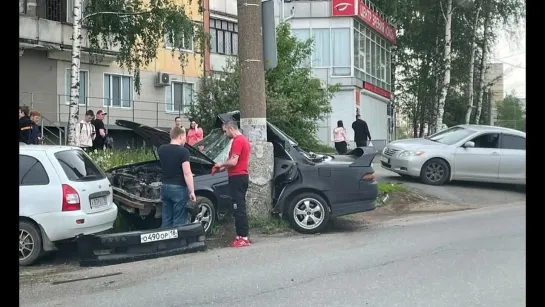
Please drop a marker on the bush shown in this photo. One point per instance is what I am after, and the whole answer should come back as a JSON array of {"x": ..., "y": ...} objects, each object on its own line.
[{"x": 109, "y": 158}]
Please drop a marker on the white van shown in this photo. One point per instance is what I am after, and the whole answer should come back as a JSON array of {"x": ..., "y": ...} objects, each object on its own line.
[{"x": 62, "y": 194}]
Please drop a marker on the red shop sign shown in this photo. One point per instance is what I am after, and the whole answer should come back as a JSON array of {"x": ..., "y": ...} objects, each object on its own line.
[
  {"x": 377, "y": 90},
  {"x": 372, "y": 19}
]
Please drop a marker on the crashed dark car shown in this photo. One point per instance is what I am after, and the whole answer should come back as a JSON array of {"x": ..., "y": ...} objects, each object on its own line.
[{"x": 308, "y": 188}]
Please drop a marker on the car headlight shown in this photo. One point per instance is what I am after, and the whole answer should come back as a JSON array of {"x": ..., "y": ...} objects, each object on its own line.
[{"x": 411, "y": 153}]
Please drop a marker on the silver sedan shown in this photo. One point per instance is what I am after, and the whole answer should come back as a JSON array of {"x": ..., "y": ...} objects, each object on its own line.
[{"x": 464, "y": 152}]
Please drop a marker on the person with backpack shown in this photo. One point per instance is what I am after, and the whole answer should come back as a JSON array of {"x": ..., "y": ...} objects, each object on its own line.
[{"x": 85, "y": 132}]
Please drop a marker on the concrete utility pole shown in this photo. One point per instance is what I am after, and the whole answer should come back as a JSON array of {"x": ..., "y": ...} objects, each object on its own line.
[{"x": 253, "y": 114}]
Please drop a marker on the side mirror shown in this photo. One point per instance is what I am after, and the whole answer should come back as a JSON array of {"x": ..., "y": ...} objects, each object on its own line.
[{"x": 469, "y": 144}]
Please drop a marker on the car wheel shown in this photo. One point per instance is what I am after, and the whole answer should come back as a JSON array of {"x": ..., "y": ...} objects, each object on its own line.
[
  {"x": 206, "y": 215},
  {"x": 308, "y": 213},
  {"x": 435, "y": 172},
  {"x": 30, "y": 243}
]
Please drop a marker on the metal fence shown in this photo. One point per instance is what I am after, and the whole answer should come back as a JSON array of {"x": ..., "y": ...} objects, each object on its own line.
[{"x": 152, "y": 113}]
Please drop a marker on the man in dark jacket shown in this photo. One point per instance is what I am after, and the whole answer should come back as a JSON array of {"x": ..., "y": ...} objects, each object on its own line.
[
  {"x": 25, "y": 125},
  {"x": 361, "y": 132}
]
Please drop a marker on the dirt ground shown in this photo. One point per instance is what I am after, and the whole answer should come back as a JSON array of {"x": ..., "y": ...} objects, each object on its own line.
[{"x": 398, "y": 204}]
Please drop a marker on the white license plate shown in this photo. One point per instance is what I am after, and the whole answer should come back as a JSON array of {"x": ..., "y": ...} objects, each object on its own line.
[
  {"x": 99, "y": 202},
  {"x": 159, "y": 236},
  {"x": 384, "y": 159}
]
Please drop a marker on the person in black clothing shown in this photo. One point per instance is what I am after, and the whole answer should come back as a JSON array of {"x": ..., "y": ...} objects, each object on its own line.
[
  {"x": 25, "y": 125},
  {"x": 361, "y": 132},
  {"x": 98, "y": 142},
  {"x": 176, "y": 180},
  {"x": 35, "y": 137}
]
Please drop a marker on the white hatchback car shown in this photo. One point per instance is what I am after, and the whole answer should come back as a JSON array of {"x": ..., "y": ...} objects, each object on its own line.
[{"x": 62, "y": 194}]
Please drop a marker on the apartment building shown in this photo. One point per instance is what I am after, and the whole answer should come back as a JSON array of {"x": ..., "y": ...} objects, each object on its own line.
[
  {"x": 45, "y": 30},
  {"x": 352, "y": 47},
  {"x": 494, "y": 80},
  {"x": 223, "y": 29}
]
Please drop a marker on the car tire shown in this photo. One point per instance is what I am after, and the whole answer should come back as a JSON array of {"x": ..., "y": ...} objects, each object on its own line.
[
  {"x": 435, "y": 172},
  {"x": 30, "y": 243},
  {"x": 207, "y": 210},
  {"x": 308, "y": 204}
]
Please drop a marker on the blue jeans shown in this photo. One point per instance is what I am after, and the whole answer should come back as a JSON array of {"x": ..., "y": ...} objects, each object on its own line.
[{"x": 174, "y": 198}]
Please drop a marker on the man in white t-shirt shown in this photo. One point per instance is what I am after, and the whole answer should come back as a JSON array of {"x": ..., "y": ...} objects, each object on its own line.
[{"x": 85, "y": 132}]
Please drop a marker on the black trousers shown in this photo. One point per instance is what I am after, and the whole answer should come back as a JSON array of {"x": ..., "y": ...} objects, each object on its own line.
[
  {"x": 341, "y": 147},
  {"x": 361, "y": 143},
  {"x": 238, "y": 185}
]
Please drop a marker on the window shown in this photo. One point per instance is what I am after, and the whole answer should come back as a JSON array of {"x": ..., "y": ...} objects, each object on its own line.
[
  {"x": 83, "y": 83},
  {"x": 320, "y": 52},
  {"x": 488, "y": 140},
  {"x": 70, "y": 9},
  {"x": 372, "y": 61},
  {"x": 451, "y": 135},
  {"x": 31, "y": 171},
  {"x": 184, "y": 42},
  {"x": 223, "y": 37},
  {"x": 513, "y": 142},
  {"x": 117, "y": 91},
  {"x": 302, "y": 35},
  {"x": 78, "y": 167},
  {"x": 340, "y": 42},
  {"x": 179, "y": 97}
]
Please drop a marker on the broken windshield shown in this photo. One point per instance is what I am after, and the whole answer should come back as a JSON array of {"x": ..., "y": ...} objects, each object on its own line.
[{"x": 215, "y": 145}]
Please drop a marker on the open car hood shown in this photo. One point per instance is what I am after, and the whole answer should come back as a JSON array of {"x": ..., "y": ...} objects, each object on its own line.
[
  {"x": 158, "y": 137},
  {"x": 235, "y": 115}
]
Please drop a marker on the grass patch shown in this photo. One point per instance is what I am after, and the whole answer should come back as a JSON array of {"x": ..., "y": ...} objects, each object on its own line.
[
  {"x": 391, "y": 187},
  {"x": 270, "y": 225},
  {"x": 321, "y": 148},
  {"x": 110, "y": 158}
]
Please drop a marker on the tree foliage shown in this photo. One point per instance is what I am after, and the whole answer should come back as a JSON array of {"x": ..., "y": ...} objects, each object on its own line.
[
  {"x": 510, "y": 113},
  {"x": 418, "y": 58},
  {"x": 295, "y": 100},
  {"x": 139, "y": 28}
]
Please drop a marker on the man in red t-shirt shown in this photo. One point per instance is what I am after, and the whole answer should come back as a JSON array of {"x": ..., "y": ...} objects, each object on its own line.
[{"x": 237, "y": 171}]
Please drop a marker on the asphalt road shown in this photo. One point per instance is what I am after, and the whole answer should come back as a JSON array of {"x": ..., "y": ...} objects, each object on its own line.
[
  {"x": 467, "y": 258},
  {"x": 472, "y": 194}
]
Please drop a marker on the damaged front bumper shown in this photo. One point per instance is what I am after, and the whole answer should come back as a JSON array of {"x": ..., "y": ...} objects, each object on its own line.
[{"x": 107, "y": 249}]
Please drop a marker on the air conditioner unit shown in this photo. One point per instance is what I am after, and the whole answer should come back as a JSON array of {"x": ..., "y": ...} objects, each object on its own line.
[{"x": 163, "y": 79}]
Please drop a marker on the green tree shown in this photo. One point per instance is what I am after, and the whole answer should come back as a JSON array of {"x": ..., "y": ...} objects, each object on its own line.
[
  {"x": 510, "y": 113},
  {"x": 295, "y": 100}
]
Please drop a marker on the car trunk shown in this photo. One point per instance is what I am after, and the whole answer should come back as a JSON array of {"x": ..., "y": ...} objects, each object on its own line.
[{"x": 87, "y": 179}]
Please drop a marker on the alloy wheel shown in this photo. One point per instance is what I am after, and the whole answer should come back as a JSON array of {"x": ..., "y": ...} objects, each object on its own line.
[
  {"x": 26, "y": 244},
  {"x": 308, "y": 213},
  {"x": 435, "y": 172}
]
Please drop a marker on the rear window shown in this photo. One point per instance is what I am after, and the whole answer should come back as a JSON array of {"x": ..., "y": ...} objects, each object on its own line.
[{"x": 78, "y": 167}]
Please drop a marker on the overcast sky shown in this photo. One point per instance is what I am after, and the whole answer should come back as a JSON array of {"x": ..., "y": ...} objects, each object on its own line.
[{"x": 512, "y": 52}]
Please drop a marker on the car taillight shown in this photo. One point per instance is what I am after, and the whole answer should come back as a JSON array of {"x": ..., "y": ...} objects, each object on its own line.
[
  {"x": 369, "y": 177},
  {"x": 70, "y": 199}
]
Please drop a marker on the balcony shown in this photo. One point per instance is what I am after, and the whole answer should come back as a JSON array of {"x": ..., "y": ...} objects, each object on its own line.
[{"x": 46, "y": 24}]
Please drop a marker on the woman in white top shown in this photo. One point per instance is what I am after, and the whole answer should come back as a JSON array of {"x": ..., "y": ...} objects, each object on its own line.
[{"x": 340, "y": 138}]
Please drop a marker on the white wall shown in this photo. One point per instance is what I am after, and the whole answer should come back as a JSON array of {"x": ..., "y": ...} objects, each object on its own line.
[
  {"x": 373, "y": 110},
  {"x": 224, "y": 6},
  {"x": 343, "y": 107}
]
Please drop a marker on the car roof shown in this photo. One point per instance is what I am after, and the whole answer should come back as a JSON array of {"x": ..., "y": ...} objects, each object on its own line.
[
  {"x": 485, "y": 128},
  {"x": 46, "y": 148}
]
